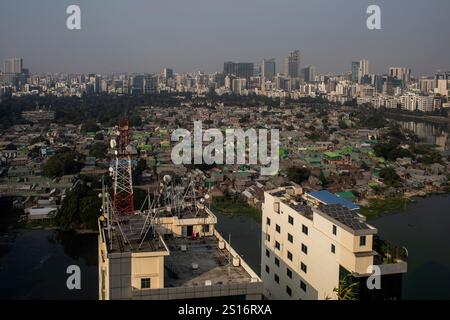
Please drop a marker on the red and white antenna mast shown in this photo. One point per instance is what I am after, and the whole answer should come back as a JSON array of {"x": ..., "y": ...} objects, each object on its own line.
[{"x": 122, "y": 169}]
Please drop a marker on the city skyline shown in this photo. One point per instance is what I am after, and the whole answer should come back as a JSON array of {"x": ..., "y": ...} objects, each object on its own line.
[{"x": 203, "y": 37}]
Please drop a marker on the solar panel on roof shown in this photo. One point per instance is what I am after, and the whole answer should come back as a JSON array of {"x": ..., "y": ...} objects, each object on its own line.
[{"x": 343, "y": 215}]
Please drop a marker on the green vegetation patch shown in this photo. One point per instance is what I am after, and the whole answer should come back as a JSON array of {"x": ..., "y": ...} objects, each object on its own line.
[
  {"x": 379, "y": 207},
  {"x": 235, "y": 206}
]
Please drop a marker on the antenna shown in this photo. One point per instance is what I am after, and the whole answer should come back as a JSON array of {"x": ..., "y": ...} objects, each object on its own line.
[{"x": 122, "y": 170}]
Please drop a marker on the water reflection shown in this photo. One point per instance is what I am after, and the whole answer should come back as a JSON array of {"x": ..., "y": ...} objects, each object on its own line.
[
  {"x": 34, "y": 265},
  {"x": 424, "y": 231},
  {"x": 430, "y": 133}
]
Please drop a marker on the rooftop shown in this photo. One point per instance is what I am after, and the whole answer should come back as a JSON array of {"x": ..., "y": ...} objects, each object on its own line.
[
  {"x": 327, "y": 197},
  {"x": 202, "y": 261},
  {"x": 152, "y": 242},
  {"x": 346, "y": 217}
]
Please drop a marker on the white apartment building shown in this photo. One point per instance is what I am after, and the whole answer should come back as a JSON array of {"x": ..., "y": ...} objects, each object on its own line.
[
  {"x": 409, "y": 101},
  {"x": 425, "y": 103},
  {"x": 308, "y": 246},
  {"x": 412, "y": 102}
]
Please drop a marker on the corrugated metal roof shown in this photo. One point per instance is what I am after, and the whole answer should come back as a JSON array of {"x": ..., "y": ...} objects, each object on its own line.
[{"x": 327, "y": 197}]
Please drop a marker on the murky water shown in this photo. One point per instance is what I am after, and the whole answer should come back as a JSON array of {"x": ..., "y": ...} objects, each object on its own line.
[
  {"x": 33, "y": 263},
  {"x": 425, "y": 231},
  {"x": 438, "y": 135}
]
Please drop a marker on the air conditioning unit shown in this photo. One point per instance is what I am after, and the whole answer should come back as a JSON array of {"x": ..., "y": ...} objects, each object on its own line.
[
  {"x": 208, "y": 283},
  {"x": 221, "y": 245},
  {"x": 194, "y": 266},
  {"x": 183, "y": 247},
  {"x": 236, "y": 261}
]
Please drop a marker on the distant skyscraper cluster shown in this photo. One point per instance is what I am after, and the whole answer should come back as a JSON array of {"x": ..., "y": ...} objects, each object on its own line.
[
  {"x": 239, "y": 69},
  {"x": 360, "y": 69},
  {"x": 396, "y": 88},
  {"x": 13, "y": 72},
  {"x": 292, "y": 64},
  {"x": 268, "y": 69}
]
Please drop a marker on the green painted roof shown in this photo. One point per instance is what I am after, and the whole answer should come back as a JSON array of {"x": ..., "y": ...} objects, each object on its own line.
[
  {"x": 332, "y": 155},
  {"x": 346, "y": 195}
]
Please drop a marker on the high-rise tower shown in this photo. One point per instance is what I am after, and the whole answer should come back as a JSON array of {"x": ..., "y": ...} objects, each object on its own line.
[{"x": 292, "y": 64}]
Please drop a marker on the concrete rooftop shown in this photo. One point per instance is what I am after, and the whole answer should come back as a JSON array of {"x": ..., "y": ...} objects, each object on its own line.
[{"x": 213, "y": 264}]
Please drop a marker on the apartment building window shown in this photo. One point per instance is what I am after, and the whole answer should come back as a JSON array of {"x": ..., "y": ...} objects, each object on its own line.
[
  {"x": 267, "y": 269},
  {"x": 268, "y": 237},
  {"x": 276, "y": 278},
  {"x": 304, "y": 249},
  {"x": 289, "y": 255},
  {"x": 362, "y": 241},
  {"x": 277, "y": 245},
  {"x": 267, "y": 253},
  {"x": 333, "y": 248},
  {"x": 278, "y": 228},
  {"x": 291, "y": 220},
  {"x": 205, "y": 228},
  {"x": 277, "y": 262},
  {"x": 145, "y": 283},
  {"x": 305, "y": 229},
  {"x": 268, "y": 221},
  {"x": 289, "y": 273},
  {"x": 303, "y": 267},
  {"x": 289, "y": 291},
  {"x": 276, "y": 207},
  {"x": 290, "y": 238},
  {"x": 303, "y": 285},
  {"x": 334, "y": 230}
]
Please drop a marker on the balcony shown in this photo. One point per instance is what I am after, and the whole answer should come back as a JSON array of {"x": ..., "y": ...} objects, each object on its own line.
[{"x": 391, "y": 259}]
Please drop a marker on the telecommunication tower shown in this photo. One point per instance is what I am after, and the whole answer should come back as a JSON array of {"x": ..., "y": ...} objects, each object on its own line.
[{"x": 122, "y": 169}]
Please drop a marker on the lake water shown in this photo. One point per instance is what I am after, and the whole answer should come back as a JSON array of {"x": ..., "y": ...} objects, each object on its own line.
[
  {"x": 33, "y": 263},
  {"x": 424, "y": 229},
  {"x": 428, "y": 133}
]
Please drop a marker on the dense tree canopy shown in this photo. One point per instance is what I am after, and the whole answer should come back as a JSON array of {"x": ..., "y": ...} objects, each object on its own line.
[
  {"x": 81, "y": 206},
  {"x": 98, "y": 150},
  {"x": 298, "y": 175},
  {"x": 65, "y": 161},
  {"x": 390, "y": 177}
]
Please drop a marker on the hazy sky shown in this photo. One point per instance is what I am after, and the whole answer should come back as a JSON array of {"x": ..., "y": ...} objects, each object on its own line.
[{"x": 190, "y": 35}]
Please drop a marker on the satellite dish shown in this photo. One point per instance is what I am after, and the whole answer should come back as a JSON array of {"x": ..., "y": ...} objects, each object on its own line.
[
  {"x": 117, "y": 133},
  {"x": 129, "y": 148},
  {"x": 206, "y": 196},
  {"x": 113, "y": 144},
  {"x": 202, "y": 200},
  {"x": 111, "y": 169},
  {"x": 167, "y": 179}
]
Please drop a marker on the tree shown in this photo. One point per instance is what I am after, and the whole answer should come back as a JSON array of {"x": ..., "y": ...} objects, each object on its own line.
[
  {"x": 135, "y": 120},
  {"x": 298, "y": 175},
  {"x": 364, "y": 166},
  {"x": 140, "y": 167},
  {"x": 390, "y": 177},
  {"x": 81, "y": 206},
  {"x": 65, "y": 161},
  {"x": 348, "y": 289},
  {"x": 90, "y": 126},
  {"x": 323, "y": 178},
  {"x": 343, "y": 125},
  {"x": 90, "y": 210},
  {"x": 99, "y": 136},
  {"x": 98, "y": 150}
]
